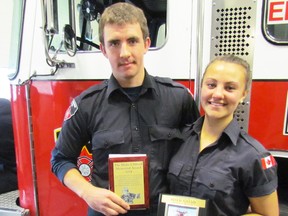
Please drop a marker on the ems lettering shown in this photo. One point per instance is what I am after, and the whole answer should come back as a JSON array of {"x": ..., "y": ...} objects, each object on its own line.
[{"x": 277, "y": 12}]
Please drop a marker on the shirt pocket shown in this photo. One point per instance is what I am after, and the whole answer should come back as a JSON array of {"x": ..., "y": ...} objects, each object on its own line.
[
  {"x": 105, "y": 143},
  {"x": 179, "y": 177},
  {"x": 158, "y": 133},
  {"x": 164, "y": 143},
  {"x": 214, "y": 182},
  {"x": 104, "y": 140}
]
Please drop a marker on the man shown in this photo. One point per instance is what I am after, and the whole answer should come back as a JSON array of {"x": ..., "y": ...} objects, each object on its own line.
[
  {"x": 130, "y": 113},
  {"x": 8, "y": 174}
]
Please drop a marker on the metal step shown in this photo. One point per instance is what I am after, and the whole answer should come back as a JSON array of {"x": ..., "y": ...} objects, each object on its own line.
[{"x": 8, "y": 206}]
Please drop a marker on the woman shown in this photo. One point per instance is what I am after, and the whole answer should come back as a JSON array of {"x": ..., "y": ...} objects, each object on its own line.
[{"x": 219, "y": 162}]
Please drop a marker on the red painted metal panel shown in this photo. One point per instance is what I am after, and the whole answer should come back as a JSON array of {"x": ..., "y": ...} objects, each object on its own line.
[
  {"x": 49, "y": 101},
  {"x": 268, "y": 103},
  {"x": 22, "y": 148}
]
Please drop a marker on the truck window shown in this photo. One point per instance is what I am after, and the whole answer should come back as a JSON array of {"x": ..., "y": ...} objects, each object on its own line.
[
  {"x": 275, "y": 21},
  {"x": 83, "y": 17},
  {"x": 12, "y": 13}
]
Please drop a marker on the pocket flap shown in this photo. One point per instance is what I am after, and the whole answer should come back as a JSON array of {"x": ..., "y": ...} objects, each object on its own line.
[
  {"x": 215, "y": 180},
  {"x": 164, "y": 133},
  {"x": 106, "y": 139}
]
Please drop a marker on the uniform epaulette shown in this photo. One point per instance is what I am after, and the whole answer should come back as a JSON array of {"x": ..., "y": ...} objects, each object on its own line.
[
  {"x": 252, "y": 141},
  {"x": 168, "y": 81},
  {"x": 93, "y": 89}
]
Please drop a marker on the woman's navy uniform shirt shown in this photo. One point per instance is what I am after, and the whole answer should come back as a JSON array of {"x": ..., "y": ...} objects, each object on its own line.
[
  {"x": 105, "y": 116},
  {"x": 228, "y": 172}
]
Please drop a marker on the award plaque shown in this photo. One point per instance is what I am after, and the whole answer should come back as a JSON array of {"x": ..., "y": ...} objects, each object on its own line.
[
  {"x": 128, "y": 178},
  {"x": 171, "y": 205}
]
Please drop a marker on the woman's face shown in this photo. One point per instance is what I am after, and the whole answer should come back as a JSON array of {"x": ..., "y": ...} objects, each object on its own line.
[{"x": 223, "y": 88}]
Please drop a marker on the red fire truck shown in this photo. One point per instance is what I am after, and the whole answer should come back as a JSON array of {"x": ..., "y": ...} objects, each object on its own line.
[{"x": 54, "y": 55}]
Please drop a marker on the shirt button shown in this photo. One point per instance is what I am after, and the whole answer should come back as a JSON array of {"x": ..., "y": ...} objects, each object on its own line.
[
  {"x": 136, "y": 128},
  {"x": 169, "y": 134},
  {"x": 133, "y": 105}
]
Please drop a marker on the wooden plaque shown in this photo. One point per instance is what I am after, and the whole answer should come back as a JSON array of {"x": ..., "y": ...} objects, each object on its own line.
[
  {"x": 170, "y": 205},
  {"x": 128, "y": 178}
]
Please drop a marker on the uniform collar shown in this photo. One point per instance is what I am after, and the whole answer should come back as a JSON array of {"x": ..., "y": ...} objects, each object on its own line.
[
  {"x": 232, "y": 130},
  {"x": 148, "y": 83},
  {"x": 197, "y": 125}
]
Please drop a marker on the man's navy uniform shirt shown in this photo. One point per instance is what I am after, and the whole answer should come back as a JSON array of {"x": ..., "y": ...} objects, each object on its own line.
[
  {"x": 225, "y": 173},
  {"x": 105, "y": 116}
]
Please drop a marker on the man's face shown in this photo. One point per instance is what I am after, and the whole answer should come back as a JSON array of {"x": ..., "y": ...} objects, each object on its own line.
[{"x": 125, "y": 48}]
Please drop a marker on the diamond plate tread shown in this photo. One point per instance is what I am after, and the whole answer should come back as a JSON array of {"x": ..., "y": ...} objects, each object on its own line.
[{"x": 8, "y": 200}]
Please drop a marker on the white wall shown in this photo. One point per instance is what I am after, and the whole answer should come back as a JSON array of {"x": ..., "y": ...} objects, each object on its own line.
[{"x": 6, "y": 14}]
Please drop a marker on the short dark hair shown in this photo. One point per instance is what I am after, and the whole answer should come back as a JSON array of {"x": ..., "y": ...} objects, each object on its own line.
[{"x": 121, "y": 13}]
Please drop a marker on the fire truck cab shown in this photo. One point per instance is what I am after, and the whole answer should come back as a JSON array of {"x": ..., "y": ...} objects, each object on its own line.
[{"x": 53, "y": 55}]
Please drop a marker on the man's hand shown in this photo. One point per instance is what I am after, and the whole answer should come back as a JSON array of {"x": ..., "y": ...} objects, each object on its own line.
[
  {"x": 105, "y": 201},
  {"x": 99, "y": 199}
]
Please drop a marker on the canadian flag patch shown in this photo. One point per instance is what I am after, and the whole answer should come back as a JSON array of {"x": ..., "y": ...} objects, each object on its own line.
[{"x": 268, "y": 162}]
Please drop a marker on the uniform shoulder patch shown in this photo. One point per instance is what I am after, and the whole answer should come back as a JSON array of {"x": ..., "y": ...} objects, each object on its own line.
[
  {"x": 268, "y": 162},
  {"x": 72, "y": 109}
]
